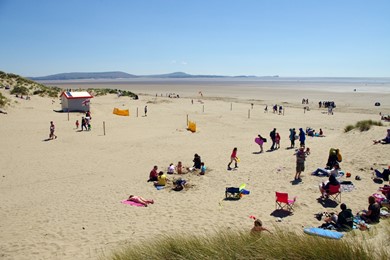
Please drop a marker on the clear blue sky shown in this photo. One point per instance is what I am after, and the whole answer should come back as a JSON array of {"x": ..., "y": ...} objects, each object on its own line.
[{"x": 224, "y": 37}]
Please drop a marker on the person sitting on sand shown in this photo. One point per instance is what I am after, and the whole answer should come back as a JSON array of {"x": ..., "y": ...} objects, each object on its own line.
[
  {"x": 171, "y": 169},
  {"x": 342, "y": 222},
  {"x": 373, "y": 213},
  {"x": 324, "y": 188},
  {"x": 197, "y": 161},
  {"x": 140, "y": 200},
  {"x": 179, "y": 184},
  {"x": 386, "y": 140},
  {"x": 258, "y": 227},
  {"x": 179, "y": 168},
  {"x": 322, "y": 171},
  {"x": 153, "y": 174},
  {"x": 161, "y": 179}
]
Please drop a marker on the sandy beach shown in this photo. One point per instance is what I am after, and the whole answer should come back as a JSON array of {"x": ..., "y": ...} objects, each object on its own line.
[{"x": 60, "y": 199}]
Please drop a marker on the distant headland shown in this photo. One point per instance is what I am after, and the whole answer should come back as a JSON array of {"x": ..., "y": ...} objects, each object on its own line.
[{"x": 124, "y": 75}]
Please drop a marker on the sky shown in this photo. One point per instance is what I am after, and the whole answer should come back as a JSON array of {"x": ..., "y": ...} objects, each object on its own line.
[{"x": 289, "y": 38}]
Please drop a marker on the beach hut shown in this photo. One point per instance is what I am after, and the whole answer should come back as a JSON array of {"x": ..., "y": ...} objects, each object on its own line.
[{"x": 75, "y": 101}]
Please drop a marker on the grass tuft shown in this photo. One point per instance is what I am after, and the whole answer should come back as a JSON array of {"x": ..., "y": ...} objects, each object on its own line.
[
  {"x": 363, "y": 125},
  {"x": 242, "y": 245}
]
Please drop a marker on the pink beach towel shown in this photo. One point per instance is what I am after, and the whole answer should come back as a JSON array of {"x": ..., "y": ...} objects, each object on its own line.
[{"x": 132, "y": 203}]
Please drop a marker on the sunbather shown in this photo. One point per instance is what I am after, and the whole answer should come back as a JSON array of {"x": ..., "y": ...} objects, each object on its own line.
[
  {"x": 322, "y": 171},
  {"x": 373, "y": 213},
  {"x": 140, "y": 200}
]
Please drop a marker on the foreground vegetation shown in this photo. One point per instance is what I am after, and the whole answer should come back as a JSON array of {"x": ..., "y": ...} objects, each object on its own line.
[
  {"x": 242, "y": 245},
  {"x": 363, "y": 125}
]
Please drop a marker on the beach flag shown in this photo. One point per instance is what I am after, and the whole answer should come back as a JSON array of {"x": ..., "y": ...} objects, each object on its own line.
[{"x": 85, "y": 102}]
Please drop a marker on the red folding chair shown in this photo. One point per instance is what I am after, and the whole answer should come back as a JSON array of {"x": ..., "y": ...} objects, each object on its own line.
[
  {"x": 334, "y": 193},
  {"x": 282, "y": 201}
]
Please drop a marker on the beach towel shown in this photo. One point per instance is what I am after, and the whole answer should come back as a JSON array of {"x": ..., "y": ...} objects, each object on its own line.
[{"x": 132, "y": 203}]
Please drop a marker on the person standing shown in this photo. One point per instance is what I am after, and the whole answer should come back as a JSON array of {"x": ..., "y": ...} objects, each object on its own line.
[
  {"x": 302, "y": 137},
  {"x": 146, "y": 110},
  {"x": 292, "y": 137},
  {"x": 301, "y": 157},
  {"x": 52, "y": 129},
  {"x": 233, "y": 158},
  {"x": 272, "y": 134},
  {"x": 277, "y": 141}
]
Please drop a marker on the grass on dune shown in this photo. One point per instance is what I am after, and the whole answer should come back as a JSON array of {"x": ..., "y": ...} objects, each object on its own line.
[
  {"x": 243, "y": 245},
  {"x": 363, "y": 125}
]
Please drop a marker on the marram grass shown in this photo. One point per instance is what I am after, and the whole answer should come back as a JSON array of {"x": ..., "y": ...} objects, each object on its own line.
[
  {"x": 243, "y": 245},
  {"x": 363, "y": 125}
]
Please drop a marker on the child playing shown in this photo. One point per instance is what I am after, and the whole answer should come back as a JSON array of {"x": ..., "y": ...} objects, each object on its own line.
[
  {"x": 258, "y": 227},
  {"x": 202, "y": 169},
  {"x": 77, "y": 124},
  {"x": 233, "y": 158},
  {"x": 277, "y": 141}
]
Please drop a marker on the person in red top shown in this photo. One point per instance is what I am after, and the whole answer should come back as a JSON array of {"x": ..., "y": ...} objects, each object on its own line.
[
  {"x": 153, "y": 174},
  {"x": 233, "y": 158}
]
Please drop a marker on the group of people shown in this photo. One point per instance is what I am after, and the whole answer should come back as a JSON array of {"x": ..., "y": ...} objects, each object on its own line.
[
  {"x": 85, "y": 122},
  {"x": 160, "y": 179},
  {"x": 344, "y": 220}
]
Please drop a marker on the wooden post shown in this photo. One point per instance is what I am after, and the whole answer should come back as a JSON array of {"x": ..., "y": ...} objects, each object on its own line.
[
  {"x": 68, "y": 114},
  {"x": 249, "y": 113},
  {"x": 137, "y": 111},
  {"x": 187, "y": 119},
  {"x": 203, "y": 108},
  {"x": 104, "y": 128}
]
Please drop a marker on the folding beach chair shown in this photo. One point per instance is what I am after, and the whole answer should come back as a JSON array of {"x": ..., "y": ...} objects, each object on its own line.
[
  {"x": 282, "y": 201},
  {"x": 232, "y": 193},
  {"x": 334, "y": 193}
]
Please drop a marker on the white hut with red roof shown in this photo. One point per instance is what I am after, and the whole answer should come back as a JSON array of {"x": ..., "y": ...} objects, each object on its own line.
[{"x": 75, "y": 101}]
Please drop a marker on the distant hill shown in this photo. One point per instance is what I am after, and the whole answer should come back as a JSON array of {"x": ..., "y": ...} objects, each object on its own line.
[
  {"x": 87, "y": 75},
  {"x": 123, "y": 75}
]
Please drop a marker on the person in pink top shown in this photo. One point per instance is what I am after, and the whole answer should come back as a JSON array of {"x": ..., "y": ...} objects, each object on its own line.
[
  {"x": 233, "y": 158},
  {"x": 277, "y": 141}
]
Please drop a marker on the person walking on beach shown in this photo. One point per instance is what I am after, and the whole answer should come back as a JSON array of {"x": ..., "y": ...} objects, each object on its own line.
[
  {"x": 301, "y": 157},
  {"x": 272, "y": 134},
  {"x": 260, "y": 141},
  {"x": 146, "y": 110},
  {"x": 233, "y": 158},
  {"x": 277, "y": 141},
  {"x": 52, "y": 129}
]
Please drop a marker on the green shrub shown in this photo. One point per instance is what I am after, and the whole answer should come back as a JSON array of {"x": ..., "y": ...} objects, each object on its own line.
[
  {"x": 363, "y": 125},
  {"x": 20, "y": 90},
  {"x": 348, "y": 128},
  {"x": 3, "y": 100}
]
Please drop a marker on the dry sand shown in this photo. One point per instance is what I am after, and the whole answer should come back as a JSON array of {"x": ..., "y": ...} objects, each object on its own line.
[{"x": 60, "y": 199}]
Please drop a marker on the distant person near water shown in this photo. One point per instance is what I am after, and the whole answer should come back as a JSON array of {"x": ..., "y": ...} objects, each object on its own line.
[{"x": 146, "y": 110}]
